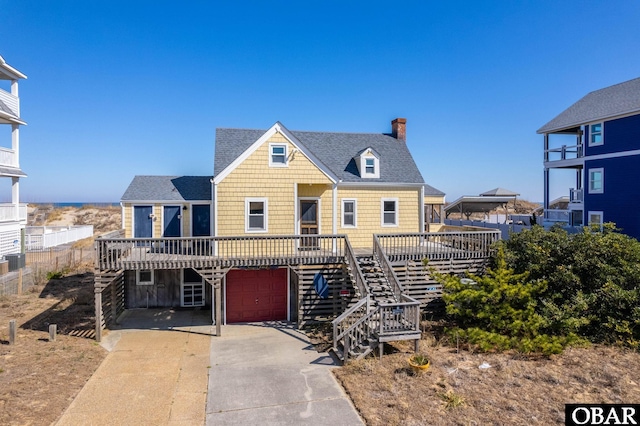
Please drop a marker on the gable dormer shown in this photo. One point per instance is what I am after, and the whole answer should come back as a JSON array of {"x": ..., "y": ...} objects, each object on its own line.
[{"x": 368, "y": 162}]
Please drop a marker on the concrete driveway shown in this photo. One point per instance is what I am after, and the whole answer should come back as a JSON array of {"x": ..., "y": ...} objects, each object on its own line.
[
  {"x": 155, "y": 373},
  {"x": 269, "y": 373}
]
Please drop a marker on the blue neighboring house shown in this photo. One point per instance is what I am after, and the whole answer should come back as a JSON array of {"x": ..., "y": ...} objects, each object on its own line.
[{"x": 598, "y": 140}]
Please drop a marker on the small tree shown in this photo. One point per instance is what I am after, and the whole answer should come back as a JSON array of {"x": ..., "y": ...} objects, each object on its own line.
[{"x": 498, "y": 311}]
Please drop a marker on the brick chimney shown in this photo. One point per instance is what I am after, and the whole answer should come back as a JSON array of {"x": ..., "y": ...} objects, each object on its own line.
[{"x": 399, "y": 129}]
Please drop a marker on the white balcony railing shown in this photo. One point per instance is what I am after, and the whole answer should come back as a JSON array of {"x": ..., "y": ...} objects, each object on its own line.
[
  {"x": 8, "y": 157},
  {"x": 553, "y": 215},
  {"x": 564, "y": 153},
  {"x": 13, "y": 102},
  {"x": 576, "y": 195},
  {"x": 8, "y": 212}
]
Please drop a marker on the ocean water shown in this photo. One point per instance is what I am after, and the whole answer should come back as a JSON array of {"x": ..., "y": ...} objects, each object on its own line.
[{"x": 78, "y": 204}]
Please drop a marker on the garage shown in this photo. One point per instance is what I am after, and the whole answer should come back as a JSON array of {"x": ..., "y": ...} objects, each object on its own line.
[{"x": 256, "y": 295}]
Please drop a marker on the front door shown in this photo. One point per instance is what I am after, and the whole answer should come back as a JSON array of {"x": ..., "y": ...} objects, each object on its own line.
[
  {"x": 309, "y": 223},
  {"x": 142, "y": 222},
  {"x": 200, "y": 220},
  {"x": 171, "y": 221}
]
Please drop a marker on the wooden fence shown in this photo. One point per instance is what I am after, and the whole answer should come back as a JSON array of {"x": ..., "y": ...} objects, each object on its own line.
[{"x": 39, "y": 264}]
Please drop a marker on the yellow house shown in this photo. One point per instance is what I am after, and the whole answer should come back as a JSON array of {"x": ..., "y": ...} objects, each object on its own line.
[
  {"x": 256, "y": 228},
  {"x": 282, "y": 182}
]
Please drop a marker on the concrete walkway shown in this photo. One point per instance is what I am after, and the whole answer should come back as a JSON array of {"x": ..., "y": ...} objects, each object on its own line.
[
  {"x": 155, "y": 374},
  {"x": 269, "y": 373}
]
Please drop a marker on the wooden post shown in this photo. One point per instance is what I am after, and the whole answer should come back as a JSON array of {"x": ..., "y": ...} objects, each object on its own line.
[
  {"x": 12, "y": 332},
  {"x": 50, "y": 253},
  {"x": 53, "y": 328},
  {"x": 20, "y": 281},
  {"x": 98, "y": 307},
  {"x": 218, "y": 291},
  {"x": 114, "y": 304}
]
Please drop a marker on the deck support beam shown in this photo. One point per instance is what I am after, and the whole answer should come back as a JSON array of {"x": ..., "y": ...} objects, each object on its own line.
[
  {"x": 217, "y": 288},
  {"x": 98, "y": 304}
]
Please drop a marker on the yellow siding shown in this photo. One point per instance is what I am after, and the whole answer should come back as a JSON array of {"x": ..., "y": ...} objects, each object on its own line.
[
  {"x": 126, "y": 216},
  {"x": 368, "y": 212},
  {"x": 254, "y": 178},
  {"x": 433, "y": 199}
]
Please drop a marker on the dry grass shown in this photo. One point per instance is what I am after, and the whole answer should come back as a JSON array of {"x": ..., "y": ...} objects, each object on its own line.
[
  {"x": 39, "y": 378},
  {"x": 515, "y": 390}
]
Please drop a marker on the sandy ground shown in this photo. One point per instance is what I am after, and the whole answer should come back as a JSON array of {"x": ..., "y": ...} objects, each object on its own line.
[
  {"x": 512, "y": 390},
  {"x": 39, "y": 378}
]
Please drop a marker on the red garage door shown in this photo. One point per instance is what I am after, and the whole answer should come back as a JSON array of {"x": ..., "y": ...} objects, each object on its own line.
[{"x": 256, "y": 295}]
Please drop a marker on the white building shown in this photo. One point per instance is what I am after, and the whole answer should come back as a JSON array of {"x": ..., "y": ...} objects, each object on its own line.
[{"x": 13, "y": 215}]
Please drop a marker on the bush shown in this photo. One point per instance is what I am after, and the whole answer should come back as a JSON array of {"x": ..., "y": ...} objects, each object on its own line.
[
  {"x": 498, "y": 311},
  {"x": 593, "y": 281}
]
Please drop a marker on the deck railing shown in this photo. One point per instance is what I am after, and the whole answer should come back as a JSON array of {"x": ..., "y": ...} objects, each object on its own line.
[
  {"x": 148, "y": 253},
  {"x": 576, "y": 195},
  {"x": 387, "y": 269},
  {"x": 9, "y": 213},
  {"x": 12, "y": 101},
  {"x": 564, "y": 153},
  {"x": 439, "y": 245},
  {"x": 358, "y": 276},
  {"x": 399, "y": 318}
]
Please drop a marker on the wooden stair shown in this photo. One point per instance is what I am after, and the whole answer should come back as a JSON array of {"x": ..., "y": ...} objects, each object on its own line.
[{"x": 376, "y": 281}]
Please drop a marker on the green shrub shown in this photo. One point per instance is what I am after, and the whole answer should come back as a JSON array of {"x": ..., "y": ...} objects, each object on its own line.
[
  {"x": 593, "y": 281},
  {"x": 54, "y": 275},
  {"x": 497, "y": 311}
]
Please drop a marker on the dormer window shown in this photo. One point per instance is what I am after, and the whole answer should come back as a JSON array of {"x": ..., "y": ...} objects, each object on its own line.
[
  {"x": 278, "y": 155},
  {"x": 368, "y": 164}
]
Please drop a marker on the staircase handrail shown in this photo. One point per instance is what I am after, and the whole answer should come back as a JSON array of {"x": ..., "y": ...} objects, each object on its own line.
[
  {"x": 358, "y": 275},
  {"x": 361, "y": 323},
  {"x": 387, "y": 269}
]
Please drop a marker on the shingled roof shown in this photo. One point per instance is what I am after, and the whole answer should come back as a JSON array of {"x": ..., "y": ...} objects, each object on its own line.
[
  {"x": 610, "y": 102},
  {"x": 169, "y": 188},
  {"x": 335, "y": 151}
]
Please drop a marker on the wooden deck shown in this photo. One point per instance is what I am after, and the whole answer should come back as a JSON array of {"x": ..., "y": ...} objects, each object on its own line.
[{"x": 213, "y": 252}]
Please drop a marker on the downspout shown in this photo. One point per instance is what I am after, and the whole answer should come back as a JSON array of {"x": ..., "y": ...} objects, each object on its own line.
[
  {"x": 422, "y": 224},
  {"x": 335, "y": 209}
]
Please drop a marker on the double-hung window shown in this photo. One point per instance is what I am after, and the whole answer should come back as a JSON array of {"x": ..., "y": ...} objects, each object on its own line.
[
  {"x": 389, "y": 213},
  {"x": 596, "y": 136},
  {"x": 370, "y": 166},
  {"x": 256, "y": 215},
  {"x": 349, "y": 213},
  {"x": 278, "y": 155},
  {"x": 596, "y": 181},
  {"x": 595, "y": 218}
]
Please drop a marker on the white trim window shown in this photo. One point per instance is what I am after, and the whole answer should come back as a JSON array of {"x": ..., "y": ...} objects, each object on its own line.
[
  {"x": 596, "y": 181},
  {"x": 349, "y": 213},
  {"x": 192, "y": 291},
  {"x": 595, "y": 218},
  {"x": 389, "y": 212},
  {"x": 369, "y": 166},
  {"x": 144, "y": 277},
  {"x": 596, "y": 134},
  {"x": 278, "y": 155},
  {"x": 256, "y": 218}
]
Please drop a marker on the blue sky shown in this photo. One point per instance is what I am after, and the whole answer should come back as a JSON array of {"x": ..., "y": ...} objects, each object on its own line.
[{"x": 121, "y": 88}]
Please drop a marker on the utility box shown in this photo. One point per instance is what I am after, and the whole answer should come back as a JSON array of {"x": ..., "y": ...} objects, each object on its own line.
[{"x": 16, "y": 261}]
